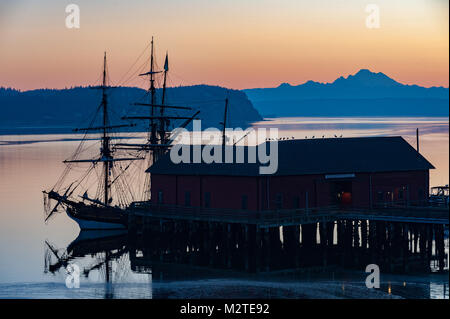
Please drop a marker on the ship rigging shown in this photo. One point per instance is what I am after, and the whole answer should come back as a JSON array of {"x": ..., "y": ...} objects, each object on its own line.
[{"x": 113, "y": 170}]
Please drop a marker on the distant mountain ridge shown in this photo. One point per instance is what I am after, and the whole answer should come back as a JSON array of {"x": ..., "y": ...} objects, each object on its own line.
[
  {"x": 365, "y": 93},
  {"x": 58, "y": 111}
]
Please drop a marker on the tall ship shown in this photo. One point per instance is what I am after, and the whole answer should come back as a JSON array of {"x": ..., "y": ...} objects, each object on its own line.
[{"x": 98, "y": 190}]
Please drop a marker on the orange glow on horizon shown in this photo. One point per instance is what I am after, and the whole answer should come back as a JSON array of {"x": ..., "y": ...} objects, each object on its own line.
[{"x": 239, "y": 46}]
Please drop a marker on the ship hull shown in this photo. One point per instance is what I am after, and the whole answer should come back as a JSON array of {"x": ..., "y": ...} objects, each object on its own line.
[
  {"x": 95, "y": 225},
  {"x": 97, "y": 218},
  {"x": 93, "y": 216}
]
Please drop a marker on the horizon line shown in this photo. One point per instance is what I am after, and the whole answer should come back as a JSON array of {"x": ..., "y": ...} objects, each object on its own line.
[{"x": 248, "y": 88}]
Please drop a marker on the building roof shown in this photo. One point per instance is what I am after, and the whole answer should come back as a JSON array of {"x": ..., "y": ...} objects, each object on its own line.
[{"x": 313, "y": 156}]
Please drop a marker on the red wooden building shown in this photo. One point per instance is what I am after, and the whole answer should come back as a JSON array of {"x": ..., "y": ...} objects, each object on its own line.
[{"x": 358, "y": 172}]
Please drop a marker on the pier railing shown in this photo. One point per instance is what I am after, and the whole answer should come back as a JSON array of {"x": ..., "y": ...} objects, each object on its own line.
[
  {"x": 269, "y": 218},
  {"x": 409, "y": 203},
  {"x": 233, "y": 215}
]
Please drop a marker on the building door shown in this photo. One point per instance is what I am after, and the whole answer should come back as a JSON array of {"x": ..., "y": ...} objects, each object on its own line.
[{"x": 341, "y": 193}]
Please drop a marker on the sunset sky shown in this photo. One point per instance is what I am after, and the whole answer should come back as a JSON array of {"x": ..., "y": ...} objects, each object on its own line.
[{"x": 233, "y": 43}]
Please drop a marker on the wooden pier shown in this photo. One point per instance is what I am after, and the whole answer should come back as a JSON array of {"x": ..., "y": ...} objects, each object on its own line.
[
  {"x": 289, "y": 217},
  {"x": 397, "y": 238}
]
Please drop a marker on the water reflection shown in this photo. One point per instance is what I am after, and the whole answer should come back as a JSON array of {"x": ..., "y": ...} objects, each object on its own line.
[
  {"x": 115, "y": 264},
  {"x": 102, "y": 257},
  {"x": 29, "y": 163}
]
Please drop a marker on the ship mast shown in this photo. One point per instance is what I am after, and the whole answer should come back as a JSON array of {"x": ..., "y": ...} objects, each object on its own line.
[
  {"x": 105, "y": 149},
  {"x": 162, "y": 125},
  {"x": 152, "y": 138},
  {"x": 106, "y": 153},
  {"x": 158, "y": 142},
  {"x": 224, "y": 122},
  {"x": 105, "y": 156}
]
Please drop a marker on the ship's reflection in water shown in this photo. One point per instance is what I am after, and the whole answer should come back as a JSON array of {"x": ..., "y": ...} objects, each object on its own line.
[
  {"x": 114, "y": 264},
  {"x": 103, "y": 261}
]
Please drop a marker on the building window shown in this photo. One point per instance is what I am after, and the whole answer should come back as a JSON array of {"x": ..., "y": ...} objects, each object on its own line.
[
  {"x": 207, "y": 200},
  {"x": 244, "y": 203},
  {"x": 160, "y": 197},
  {"x": 187, "y": 199},
  {"x": 279, "y": 201}
]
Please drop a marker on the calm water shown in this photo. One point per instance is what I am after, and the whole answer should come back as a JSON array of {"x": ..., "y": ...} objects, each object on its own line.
[{"x": 31, "y": 163}]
